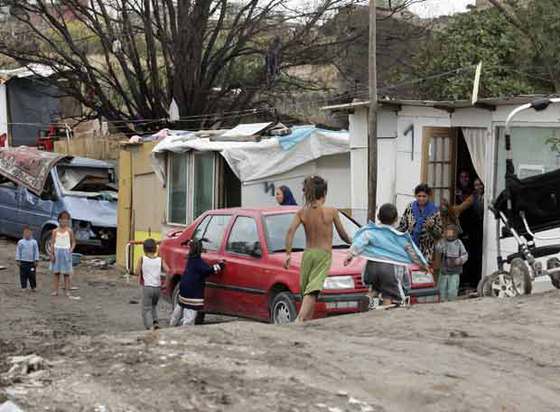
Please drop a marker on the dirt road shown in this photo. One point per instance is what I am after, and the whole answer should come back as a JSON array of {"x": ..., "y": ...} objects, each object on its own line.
[
  {"x": 462, "y": 356},
  {"x": 106, "y": 303}
]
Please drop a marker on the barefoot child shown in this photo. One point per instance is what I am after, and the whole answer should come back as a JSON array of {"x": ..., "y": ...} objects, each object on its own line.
[
  {"x": 192, "y": 286},
  {"x": 148, "y": 269},
  {"x": 317, "y": 220},
  {"x": 27, "y": 256},
  {"x": 388, "y": 252},
  {"x": 62, "y": 246}
]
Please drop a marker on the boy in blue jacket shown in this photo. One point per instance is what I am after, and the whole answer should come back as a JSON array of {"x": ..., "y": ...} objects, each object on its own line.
[
  {"x": 192, "y": 286},
  {"x": 388, "y": 252},
  {"x": 27, "y": 257}
]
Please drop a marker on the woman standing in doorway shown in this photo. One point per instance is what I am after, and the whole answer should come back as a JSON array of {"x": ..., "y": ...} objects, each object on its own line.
[
  {"x": 475, "y": 230},
  {"x": 464, "y": 187},
  {"x": 284, "y": 196},
  {"x": 478, "y": 200},
  {"x": 422, "y": 220}
]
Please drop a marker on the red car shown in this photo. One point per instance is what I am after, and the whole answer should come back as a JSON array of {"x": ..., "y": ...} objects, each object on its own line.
[{"x": 254, "y": 283}]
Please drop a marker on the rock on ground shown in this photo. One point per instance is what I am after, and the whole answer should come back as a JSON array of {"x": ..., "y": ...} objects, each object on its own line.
[{"x": 479, "y": 354}]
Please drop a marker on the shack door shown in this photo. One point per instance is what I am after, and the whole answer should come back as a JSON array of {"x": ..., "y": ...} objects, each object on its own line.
[
  {"x": 438, "y": 161},
  {"x": 229, "y": 186}
]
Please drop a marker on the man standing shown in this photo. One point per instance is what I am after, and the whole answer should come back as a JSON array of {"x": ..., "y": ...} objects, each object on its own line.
[{"x": 464, "y": 188}]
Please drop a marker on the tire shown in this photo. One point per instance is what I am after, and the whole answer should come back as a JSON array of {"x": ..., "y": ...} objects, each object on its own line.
[
  {"x": 282, "y": 308},
  {"x": 553, "y": 268},
  {"x": 521, "y": 276},
  {"x": 555, "y": 279},
  {"x": 482, "y": 288},
  {"x": 175, "y": 300},
  {"x": 499, "y": 284},
  {"x": 46, "y": 241}
]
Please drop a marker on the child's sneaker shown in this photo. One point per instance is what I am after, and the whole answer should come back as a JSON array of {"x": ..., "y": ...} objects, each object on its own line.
[{"x": 156, "y": 325}]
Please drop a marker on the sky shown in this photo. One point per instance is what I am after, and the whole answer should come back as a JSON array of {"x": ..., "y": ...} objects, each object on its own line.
[{"x": 434, "y": 8}]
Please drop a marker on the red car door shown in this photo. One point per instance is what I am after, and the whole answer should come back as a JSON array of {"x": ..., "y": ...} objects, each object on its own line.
[
  {"x": 243, "y": 280},
  {"x": 212, "y": 229}
]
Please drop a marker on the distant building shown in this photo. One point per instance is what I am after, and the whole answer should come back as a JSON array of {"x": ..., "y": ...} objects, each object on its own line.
[
  {"x": 485, "y": 4},
  {"x": 68, "y": 14},
  {"x": 482, "y": 4},
  {"x": 4, "y": 13}
]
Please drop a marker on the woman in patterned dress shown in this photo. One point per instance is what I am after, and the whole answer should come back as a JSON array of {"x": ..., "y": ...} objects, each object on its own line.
[{"x": 422, "y": 220}]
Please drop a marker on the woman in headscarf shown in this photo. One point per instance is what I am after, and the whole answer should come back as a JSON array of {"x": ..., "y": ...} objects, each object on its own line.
[
  {"x": 284, "y": 196},
  {"x": 422, "y": 220}
]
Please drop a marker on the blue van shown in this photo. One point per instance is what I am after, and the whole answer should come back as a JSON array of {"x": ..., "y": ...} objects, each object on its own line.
[{"x": 86, "y": 188}]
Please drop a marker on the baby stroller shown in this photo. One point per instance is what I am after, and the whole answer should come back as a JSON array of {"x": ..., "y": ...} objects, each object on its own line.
[{"x": 525, "y": 208}]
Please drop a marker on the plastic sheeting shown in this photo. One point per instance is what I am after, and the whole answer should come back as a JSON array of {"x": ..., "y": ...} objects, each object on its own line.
[{"x": 251, "y": 160}]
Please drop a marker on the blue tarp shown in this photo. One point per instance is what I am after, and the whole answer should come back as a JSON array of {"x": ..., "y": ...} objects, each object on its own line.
[{"x": 298, "y": 134}]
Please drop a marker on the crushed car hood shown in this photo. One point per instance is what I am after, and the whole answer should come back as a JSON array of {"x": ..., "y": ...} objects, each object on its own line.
[
  {"x": 100, "y": 213},
  {"x": 28, "y": 167}
]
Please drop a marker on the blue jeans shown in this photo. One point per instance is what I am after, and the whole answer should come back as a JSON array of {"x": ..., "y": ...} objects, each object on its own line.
[{"x": 448, "y": 285}]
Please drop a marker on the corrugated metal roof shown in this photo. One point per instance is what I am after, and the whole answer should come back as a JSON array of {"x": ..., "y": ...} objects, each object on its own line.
[
  {"x": 442, "y": 104},
  {"x": 27, "y": 71}
]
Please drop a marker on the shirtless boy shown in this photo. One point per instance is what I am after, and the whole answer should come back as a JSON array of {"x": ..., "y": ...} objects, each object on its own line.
[{"x": 318, "y": 222}]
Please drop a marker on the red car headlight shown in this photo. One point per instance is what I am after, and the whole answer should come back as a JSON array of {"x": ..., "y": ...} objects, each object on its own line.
[{"x": 338, "y": 282}]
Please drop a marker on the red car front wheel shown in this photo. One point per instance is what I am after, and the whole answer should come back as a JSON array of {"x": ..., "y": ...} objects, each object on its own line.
[{"x": 283, "y": 308}]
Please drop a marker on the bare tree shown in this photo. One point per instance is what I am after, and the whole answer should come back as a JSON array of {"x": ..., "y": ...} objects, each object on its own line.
[{"x": 210, "y": 56}]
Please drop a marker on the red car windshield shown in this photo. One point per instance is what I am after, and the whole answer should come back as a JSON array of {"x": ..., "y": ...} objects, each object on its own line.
[{"x": 276, "y": 227}]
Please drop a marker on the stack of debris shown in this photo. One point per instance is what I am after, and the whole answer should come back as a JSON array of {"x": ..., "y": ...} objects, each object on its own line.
[{"x": 249, "y": 132}]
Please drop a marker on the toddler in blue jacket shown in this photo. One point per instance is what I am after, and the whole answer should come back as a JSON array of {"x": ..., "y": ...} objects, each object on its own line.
[{"x": 388, "y": 253}]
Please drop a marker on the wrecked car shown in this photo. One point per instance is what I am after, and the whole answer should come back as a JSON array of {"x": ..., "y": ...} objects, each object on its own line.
[{"x": 36, "y": 186}]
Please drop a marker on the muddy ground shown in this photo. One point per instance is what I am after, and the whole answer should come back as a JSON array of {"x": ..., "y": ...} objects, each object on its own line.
[{"x": 462, "y": 356}]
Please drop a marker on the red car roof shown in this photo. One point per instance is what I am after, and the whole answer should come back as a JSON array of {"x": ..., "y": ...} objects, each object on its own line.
[{"x": 256, "y": 210}]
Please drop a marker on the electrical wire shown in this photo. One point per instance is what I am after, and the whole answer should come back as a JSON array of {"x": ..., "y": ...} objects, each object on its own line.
[
  {"x": 217, "y": 116},
  {"x": 365, "y": 94},
  {"x": 193, "y": 118}
]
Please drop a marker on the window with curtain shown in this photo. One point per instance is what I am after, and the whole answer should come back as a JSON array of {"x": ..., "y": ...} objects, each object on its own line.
[
  {"x": 203, "y": 183},
  {"x": 177, "y": 188},
  {"x": 531, "y": 153}
]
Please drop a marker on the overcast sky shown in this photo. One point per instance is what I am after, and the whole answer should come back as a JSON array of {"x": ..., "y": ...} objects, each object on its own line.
[{"x": 434, "y": 8}]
